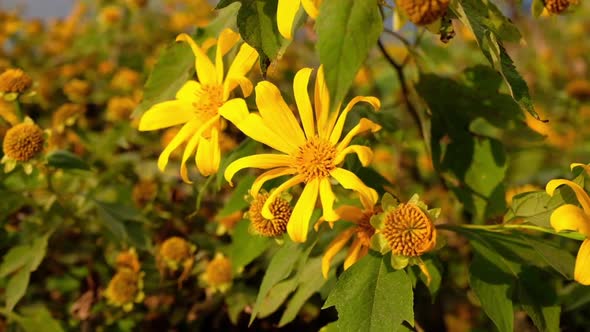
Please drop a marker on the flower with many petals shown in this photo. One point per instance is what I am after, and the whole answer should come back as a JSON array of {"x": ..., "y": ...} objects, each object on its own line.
[
  {"x": 569, "y": 217},
  {"x": 198, "y": 104},
  {"x": 287, "y": 10},
  {"x": 311, "y": 154}
]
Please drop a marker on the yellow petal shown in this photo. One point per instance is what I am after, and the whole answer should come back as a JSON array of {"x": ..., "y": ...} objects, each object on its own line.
[
  {"x": 251, "y": 125},
  {"x": 364, "y": 153},
  {"x": 298, "y": 224},
  {"x": 189, "y": 92},
  {"x": 333, "y": 248},
  {"x": 354, "y": 253},
  {"x": 350, "y": 213},
  {"x": 303, "y": 102},
  {"x": 286, "y": 11},
  {"x": 260, "y": 161},
  {"x": 582, "y": 269},
  {"x": 586, "y": 167},
  {"x": 269, "y": 175},
  {"x": 241, "y": 65},
  {"x": 350, "y": 181},
  {"x": 208, "y": 154},
  {"x": 321, "y": 104},
  {"x": 166, "y": 114},
  {"x": 231, "y": 82},
  {"x": 227, "y": 40},
  {"x": 311, "y": 8},
  {"x": 205, "y": 69},
  {"x": 276, "y": 192},
  {"x": 581, "y": 195},
  {"x": 276, "y": 113},
  {"x": 363, "y": 125},
  {"x": 188, "y": 151},
  {"x": 570, "y": 218},
  {"x": 185, "y": 132},
  {"x": 337, "y": 132},
  {"x": 327, "y": 198}
]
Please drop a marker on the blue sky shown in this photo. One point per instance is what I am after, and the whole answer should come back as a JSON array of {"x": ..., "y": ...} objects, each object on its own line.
[{"x": 40, "y": 8}]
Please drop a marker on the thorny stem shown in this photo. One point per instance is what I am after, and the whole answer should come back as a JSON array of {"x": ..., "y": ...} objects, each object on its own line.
[{"x": 500, "y": 228}]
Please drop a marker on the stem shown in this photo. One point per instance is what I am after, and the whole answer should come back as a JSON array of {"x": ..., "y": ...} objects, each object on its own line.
[
  {"x": 501, "y": 228},
  {"x": 19, "y": 111}
]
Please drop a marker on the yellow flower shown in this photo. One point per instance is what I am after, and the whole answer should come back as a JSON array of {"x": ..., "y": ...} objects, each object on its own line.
[
  {"x": 77, "y": 90},
  {"x": 311, "y": 155},
  {"x": 66, "y": 115},
  {"x": 287, "y": 10},
  {"x": 22, "y": 143},
  {"x": 218, "y": 273},
  {"x": 124, "y": 289},
  {"x": 405, "y": 229},
  {"x": 174, "y": 251},
  {"x": 569, "y": 217},
  {"x": 361, "y": 232},
  {"x": 198, "y": 104},
  {"x": 127, "y": 260},
  {"x": 15, "y": 81}
]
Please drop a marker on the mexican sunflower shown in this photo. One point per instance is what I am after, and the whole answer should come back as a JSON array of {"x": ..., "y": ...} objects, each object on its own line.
[
  {"x": 569, "y": 217},
  {"x": 310, "y": 153},
  {"x": 198, "y": 104},
  {"x": 361, "y": 234},
  {"x": 287, "y": 10}
]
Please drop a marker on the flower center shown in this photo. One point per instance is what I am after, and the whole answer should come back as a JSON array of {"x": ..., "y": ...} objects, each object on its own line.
[
  {"x": 280, "y": 209},
  {"x": 218, "y": 272},
  {"x": 14, "y": 80},
  {"x": 364, "y": 230},
  {"x": 123, "y": 287},
  {"x": 23, "y": 141},
  {"x": 209, "y": 99},
  {"x": 409, "y": 231},
  {"x": 315, "y": 159},
  {"x": 175, "y": 249}
]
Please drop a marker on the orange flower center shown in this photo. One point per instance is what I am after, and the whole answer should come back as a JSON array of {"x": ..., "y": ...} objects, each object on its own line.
[
  {"x": 23, "y": 141},
  {"x": 409, "y": 231},
  {"x": 209, "y": 100},
  {"x": 315, "y": 159}
]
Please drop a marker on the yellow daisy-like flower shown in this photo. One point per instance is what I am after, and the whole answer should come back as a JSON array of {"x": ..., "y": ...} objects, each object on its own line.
[
  {"x": 570, "y": 217},
  {"x": 311, "y": 155},
  {"x": 218, "y": 274},
  {"x": 198, "y": 104},
  {"x": 361, "y": 232},
  {"x": 125, "y": 289},
  {"x": 22, "y": 144},
  {"x": 127, "y": 260},
  {"x": 287, "y": 10}
]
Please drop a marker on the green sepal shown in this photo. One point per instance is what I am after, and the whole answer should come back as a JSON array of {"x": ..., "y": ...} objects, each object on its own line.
[
  {"x": 399, "y": 262},
  {"x": 379, "y": 243}
]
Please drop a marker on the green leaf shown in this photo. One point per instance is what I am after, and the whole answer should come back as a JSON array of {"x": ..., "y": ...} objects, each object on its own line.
[
  {"x": 310, "y": 281},
  {"x": 246, "y": 247},
  {"x": 434, "y": 267},
  {"x": 38, "y": 318},
  {"x": 16, "y": 287},
  {"x": 490, "y": 26},
  {"x": 371, "y": 296},
  {"x": 347, "y": 31},
  {"x": 493, "y": 287},
  {"x": 537, "y": 7},
  {"x": 37, "y": 252},
  {"x": 277, "y": 295},
  {"x": 174, "y": 67},
  {"x": 537, "y": 207},
  {"x": 238, "y": 298},
  {"x": 539, "y": 301},
  {"x": 66, "y": 160},
  {"x": 257, "y": 22},
  {"x": 225, "y": 3},
  {"x": 279, "y": 268},
  {"x": 14, "y": 259},
  {"x": 237, "y": 199}
]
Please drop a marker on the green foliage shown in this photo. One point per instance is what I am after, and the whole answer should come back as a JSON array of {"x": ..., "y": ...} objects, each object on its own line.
[
  {"x": 66, "y": 160},
  {"x": 371, "y": 296},
  {"x": 347, "y": 31}
]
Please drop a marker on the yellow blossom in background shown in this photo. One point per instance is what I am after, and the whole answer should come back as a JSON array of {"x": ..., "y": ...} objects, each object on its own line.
[
  {"x": 120, "y": 108},
  {"x": 361, "y": 232},
  {"x": 110, "y": 14},
  {"x": 143, "y": 192},
  {"x": 8, "y": 113},
  {"x": 198, "y": 104},
  {"x": 66, "y": 115},
  {"x": 127, "y": 260},
  {"x": 77, "y": 90},
  {"x": 22, "y": 143},
  {"x": 14, "y": 81},
  {"x": 287, "y": 10},
  {"x": 218, "y": 274},
  {"x": 125, "y": 289},
  {"x": 569, "y": 217},
  {"x": 310, "y": 153},
  {"x": 174, "y": 252},
  {"x": 125, "y": 79}
]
